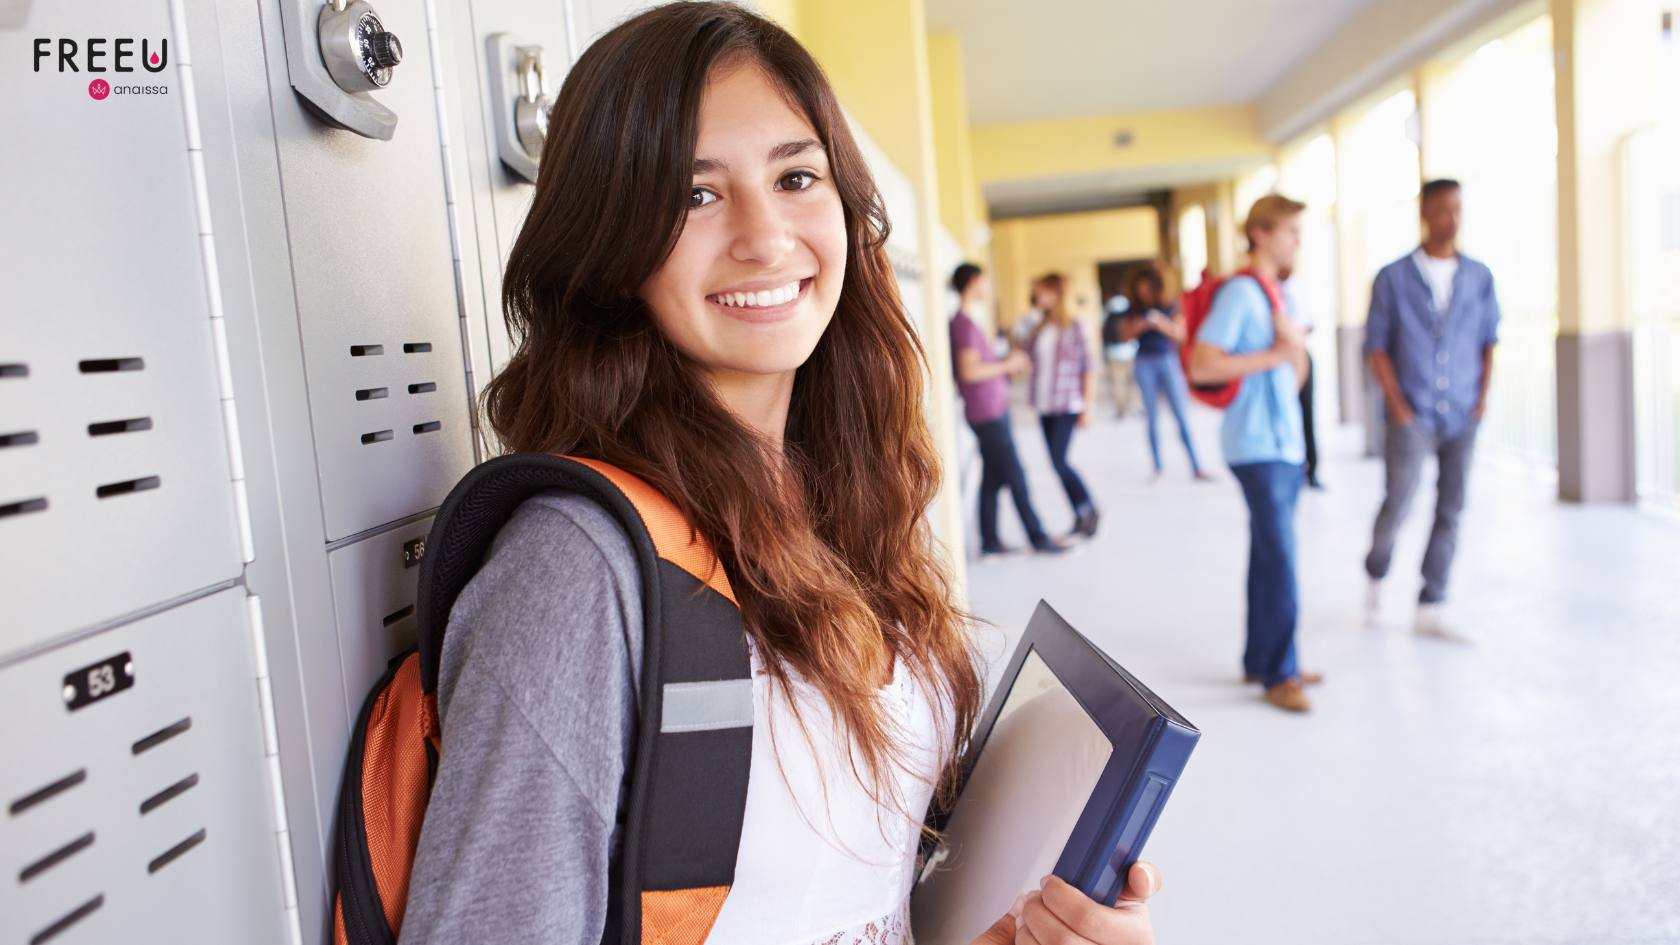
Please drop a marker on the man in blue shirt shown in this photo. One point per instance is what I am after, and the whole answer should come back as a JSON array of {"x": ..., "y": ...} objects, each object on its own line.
[
  {"x": 1430, "y": 335},
  {"x": 1248, "y": 337}
]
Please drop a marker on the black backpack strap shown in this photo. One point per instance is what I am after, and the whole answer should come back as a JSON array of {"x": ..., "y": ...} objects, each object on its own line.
[{"x": 688, "y": 786}]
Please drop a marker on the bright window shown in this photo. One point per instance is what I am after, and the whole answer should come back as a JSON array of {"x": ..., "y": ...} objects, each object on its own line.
[
  {"x": 1192, "y": 243},
  {"x": 1307, "y": 172},
  {"x": 1653, "y": 215},
  {"x": 1491, "y": 124}
]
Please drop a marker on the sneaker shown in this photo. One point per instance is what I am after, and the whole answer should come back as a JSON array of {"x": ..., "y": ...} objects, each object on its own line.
[
  {"x": 1086, "y": 525},
  {"x": 1432, "y": 623},
  {"x": 1052, "y": 546},
  {"x": 1373, "y": 603},
  {"x": 1204, "y": 476},
  {"x": 1289, "y": 696},
  {"x": 998, "y": 551}
]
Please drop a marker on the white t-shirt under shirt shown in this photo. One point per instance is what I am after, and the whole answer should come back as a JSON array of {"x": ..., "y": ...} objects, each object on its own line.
[{"x": 1439, "y": 274}]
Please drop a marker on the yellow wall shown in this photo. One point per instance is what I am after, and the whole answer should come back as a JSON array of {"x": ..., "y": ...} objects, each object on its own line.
[
  {"x": 1082, "y": 145},
  {"x": 876, "y": 55},
  {"x": 784, "y": 12},
  {"x": 960, "y": 206},
  {"x": 1071, "y": 243}
]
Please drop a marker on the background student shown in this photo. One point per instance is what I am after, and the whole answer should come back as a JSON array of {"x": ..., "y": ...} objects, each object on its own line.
[
  {"x": 1159, "y": 330},
  {"x": 1433, "y": 323},
  {"x": 1063, "y": 388},
  {"x": 1248, "y": 337}
]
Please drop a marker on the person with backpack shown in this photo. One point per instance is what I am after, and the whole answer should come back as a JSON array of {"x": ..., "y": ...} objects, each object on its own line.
[
  {"x": 1158, "y": 334},
  {"x": 1249, "y": 340},
  {"x": 983, "y": 380},
  {"x": 1433, "y": 325},
  {"x": 739, "y": 577},
  {"x": 1063, "y": 388}
]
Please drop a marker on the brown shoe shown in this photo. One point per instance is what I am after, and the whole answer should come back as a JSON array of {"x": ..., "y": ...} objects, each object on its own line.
[
  {"x": 1310, "y": 679},
  {"x": 1289, "y": 695}
]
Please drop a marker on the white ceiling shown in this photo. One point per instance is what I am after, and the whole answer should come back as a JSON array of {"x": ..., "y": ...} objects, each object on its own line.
[{"x": 1032, "y": 59}]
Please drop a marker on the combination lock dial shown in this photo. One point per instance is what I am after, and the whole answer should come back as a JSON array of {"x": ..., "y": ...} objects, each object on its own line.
[{"x": 359, "y": 51}]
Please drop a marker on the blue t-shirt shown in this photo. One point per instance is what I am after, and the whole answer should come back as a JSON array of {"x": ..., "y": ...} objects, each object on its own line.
[{"x": 1263, "y": 425}]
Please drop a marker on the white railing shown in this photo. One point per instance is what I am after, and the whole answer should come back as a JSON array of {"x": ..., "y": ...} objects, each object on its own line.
[
  {"x": 1652, "y": 213},
  {"x": 1521, "y": 416}
]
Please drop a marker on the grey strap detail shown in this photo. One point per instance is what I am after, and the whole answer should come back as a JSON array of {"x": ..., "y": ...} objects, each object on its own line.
[{"x": 705, "y": 706}]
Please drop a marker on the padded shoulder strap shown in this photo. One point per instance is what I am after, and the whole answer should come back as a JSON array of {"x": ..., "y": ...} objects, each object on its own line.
[{"x": 688, "y": 787}]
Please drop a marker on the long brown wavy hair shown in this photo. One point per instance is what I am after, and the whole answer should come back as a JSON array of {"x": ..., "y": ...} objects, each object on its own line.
[{"x": 826, "y": 545}]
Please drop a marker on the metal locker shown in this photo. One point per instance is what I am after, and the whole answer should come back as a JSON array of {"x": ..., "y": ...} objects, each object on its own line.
[
  {"x": 111, "y": 417},
  {"x": 345, "y": 331},
  {"x": 374, "y": 583},
  {"x": 375, "y": 289},
  {"x": 135, "y": 787},
  {"x": 508, "y": 59}
]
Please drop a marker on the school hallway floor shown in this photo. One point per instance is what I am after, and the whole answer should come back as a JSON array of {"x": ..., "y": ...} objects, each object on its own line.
[{"x": 1524, "y": 789}]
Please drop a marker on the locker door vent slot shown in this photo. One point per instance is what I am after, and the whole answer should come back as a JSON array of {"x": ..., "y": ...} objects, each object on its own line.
[
  {"x": 168, "y": 794},
  {"x": 14, "y": 370},
  {"x": 162, "y": 735},
  {"x": 417, "y": 347},
  {"x": 47, "y": 793},
  {"x": 38, "y": 504},
  {"x": 397, "y": 615},
  {"x": 175, "y": 852},
  {"x": 366, "y": 351},
  {"x": 107, "y": 365},
  {"x": 76, "y": 915},
  {"x": 24, "y": 438},
  {"x": 373, "y": 393},
  {"x": 427, "y": 427},
  {"x": 423, "y": 388},
  {"x": 55, "y": 857},
  {"x": 377, "y": 437},
  {"x": 125, "y": 488},
  {"x": 108, "y": 427}
]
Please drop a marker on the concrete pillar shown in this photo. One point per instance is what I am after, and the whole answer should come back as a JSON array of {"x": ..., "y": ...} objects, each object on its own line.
[
  {"x": 1356, "y": 396},
  {"x": 1225, "y": 253},
  {"x": 1607, "y": 67},
  {"x": 960, "y": 204}
]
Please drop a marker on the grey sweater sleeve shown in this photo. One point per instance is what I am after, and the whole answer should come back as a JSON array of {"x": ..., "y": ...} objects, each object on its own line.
[{"x": 536, "y": 693}]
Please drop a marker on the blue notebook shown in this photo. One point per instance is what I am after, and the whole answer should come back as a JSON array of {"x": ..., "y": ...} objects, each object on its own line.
[{"x": 1068, "y": 771}]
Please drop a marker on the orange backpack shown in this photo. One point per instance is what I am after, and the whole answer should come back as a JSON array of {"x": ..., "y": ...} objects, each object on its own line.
[{"x": 688, "y": 776}]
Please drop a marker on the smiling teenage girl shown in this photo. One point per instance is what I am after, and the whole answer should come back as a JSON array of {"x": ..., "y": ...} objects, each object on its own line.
[{"x": 702, "y": 298}]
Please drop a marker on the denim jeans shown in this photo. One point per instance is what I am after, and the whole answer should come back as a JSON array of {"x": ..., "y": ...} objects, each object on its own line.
[
  {"x": 1161, "y": 374},
  {"x": 1058, "y": 436},
  {"x": 1273, "y": 593},
  {"x": 1404, "y": 450},
  {"x": 999, "y": 467}
]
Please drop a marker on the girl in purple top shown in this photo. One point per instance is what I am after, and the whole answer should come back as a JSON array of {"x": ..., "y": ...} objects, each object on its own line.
[
  {"x": 1064, "y": 383},
  {"x": 983, "y": 379}
]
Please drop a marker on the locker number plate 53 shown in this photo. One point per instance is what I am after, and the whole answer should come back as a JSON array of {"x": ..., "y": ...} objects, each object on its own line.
[{"x": 85, "y": 686}]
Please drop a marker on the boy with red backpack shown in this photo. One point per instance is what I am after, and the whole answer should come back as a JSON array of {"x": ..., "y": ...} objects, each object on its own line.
[{"x": 1250, "y": 358}]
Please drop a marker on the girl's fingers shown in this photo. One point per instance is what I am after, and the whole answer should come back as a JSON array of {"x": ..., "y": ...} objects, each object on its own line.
[
  {"x": 1072, "y": 917},
  {"x": 1042, "y": 925},
  {"x": 1143, "y": 881}
]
